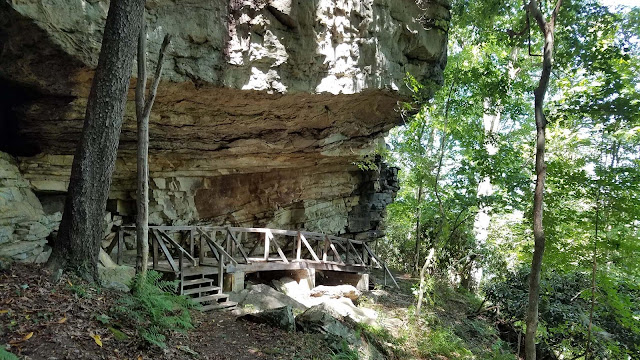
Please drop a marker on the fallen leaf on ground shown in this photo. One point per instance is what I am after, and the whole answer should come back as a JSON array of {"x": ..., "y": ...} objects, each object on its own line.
[
  {"x": 24, "y": 338},
  {"x": 62, "y": 321},
  {"x": 97, "y": 339}
]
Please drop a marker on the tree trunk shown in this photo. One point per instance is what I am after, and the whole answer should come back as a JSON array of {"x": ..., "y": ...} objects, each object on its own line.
[
  {"x": 547, "y": 29},
  {"x": 81, "y": 229},
  {"x": 428, "y": 262},
  {"x": 143, "y": 112},
  {"x": 416, "y": 260},
  {"x": 142, "y": 218}
]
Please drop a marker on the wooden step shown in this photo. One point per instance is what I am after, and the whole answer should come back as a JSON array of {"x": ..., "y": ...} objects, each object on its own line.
[
  {"x": 215, "y": 297},
  {"x": 227, "y": 305},
  {"x": 199, "y": 281},
  {"x": 198, "y": 290}
]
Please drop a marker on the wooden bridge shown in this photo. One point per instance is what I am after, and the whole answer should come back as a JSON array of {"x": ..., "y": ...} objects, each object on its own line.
[{"x": 201, "y": 257}]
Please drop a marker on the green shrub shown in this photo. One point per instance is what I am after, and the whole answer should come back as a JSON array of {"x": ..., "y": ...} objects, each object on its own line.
[
  {"x": 442, "y": 341},
  {"x": 154, "y": 309}
]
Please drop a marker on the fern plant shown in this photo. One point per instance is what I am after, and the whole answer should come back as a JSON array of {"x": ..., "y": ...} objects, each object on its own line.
[{"x": 154, "y": 309}]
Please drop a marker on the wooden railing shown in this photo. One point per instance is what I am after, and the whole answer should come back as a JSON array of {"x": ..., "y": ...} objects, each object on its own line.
[{"x": 225, "y": 246}]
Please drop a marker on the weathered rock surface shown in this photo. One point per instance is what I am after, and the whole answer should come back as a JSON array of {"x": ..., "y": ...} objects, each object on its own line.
[
  {"x": 263, "y": 108},
  {"x": 24, "y": 227},
  {"x": 262, "y": 297},
  {"x": 280, "y": 317},
  {"x": 336, "y": 331},
  {"x": 338, "y": 291}
]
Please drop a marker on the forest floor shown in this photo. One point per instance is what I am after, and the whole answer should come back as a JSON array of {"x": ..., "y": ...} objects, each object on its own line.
[{"x": 44, "y": 320}]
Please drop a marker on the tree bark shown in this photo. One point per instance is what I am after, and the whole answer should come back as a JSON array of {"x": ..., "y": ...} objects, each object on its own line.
[
  {"x": 416, "y": 260},
  {"x": 81, "y": 230},
  {"x": 143, "y": 112},
  {"x": 547, "y": 29}
]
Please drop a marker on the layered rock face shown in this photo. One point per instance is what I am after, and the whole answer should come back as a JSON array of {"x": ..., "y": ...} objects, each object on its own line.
[{"x": 263, "y": 110}]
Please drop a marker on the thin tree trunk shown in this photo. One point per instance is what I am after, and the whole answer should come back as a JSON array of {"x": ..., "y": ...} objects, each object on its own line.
[
  {"x": 143, "y": 112},
  {"x": 547, "y": 29},
  {"x": 81, "y": 230},
  {"x": 416, "y": 260},
  {"x": 423, "y": 273}
]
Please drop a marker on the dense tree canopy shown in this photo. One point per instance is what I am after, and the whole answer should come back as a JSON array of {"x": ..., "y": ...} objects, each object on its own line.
[{"x": 467, "y": 157}]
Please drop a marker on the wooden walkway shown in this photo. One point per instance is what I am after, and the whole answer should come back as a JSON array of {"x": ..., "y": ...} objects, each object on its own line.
[{"x": 203, "y": 253}]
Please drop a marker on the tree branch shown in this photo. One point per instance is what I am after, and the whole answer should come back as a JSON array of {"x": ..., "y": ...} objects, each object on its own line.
[{"x": 157, "y": 75}]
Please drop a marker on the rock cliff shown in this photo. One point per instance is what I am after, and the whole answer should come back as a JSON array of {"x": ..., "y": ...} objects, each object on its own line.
[{"x": 263, "y": 109}]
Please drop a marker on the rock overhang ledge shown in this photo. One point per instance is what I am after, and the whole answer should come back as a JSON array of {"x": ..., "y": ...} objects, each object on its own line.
[{"x": 279, "y": 97}]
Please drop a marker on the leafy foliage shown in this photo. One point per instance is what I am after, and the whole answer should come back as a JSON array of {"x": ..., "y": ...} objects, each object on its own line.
[
  {"x": 564, "y": 312},
  {"x": 467, "y": 155},
  {"x": 154, "y": 309}
]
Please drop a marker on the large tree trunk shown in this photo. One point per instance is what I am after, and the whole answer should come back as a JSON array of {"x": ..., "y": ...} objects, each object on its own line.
[
  {"x": 547, "y": 29},
  {"x": 81, "y": 231}
]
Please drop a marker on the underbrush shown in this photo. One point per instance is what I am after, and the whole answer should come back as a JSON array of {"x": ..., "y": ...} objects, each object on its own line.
[
  {"x": 446, "y": 328},
  {"x": 153, "y": 309}
]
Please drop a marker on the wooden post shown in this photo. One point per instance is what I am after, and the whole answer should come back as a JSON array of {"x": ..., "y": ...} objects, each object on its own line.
[
  {"x": 267, "y": 239},
  {"x": 299, "y": 250},
  {"x": 326, "y": 249},
  {"x": 191, "y": 243},
  {"x": 120, "y": 243},
  {"x": 155, "y": 252},
  {"x": 180, "y": 263},
  {"x": 202, "y": 250},
  {"x": 221, "y": 272}
]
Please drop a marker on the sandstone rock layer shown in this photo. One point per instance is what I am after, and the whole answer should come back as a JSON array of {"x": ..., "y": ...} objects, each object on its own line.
[{"x": 263, "y": 109}]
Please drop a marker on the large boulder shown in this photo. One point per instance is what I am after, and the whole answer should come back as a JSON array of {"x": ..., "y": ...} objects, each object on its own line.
[
  {"x": 338, "y": 291},
  {"x": 336, "y": 330},
  {"x": 279, "y": 317},
  {"x": 262, "y": 297},
  {"x": 112, "y": 275}
]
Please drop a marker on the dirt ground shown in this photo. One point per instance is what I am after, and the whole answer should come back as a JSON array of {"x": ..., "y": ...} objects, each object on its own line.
[{"x": 43, "y": 320}]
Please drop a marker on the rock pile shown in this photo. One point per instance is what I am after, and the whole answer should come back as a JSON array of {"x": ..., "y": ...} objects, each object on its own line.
[{"x": 325, "y": 310}]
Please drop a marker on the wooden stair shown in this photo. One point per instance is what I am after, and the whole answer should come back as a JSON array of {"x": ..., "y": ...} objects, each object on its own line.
[{"x": 200, "y": 287}]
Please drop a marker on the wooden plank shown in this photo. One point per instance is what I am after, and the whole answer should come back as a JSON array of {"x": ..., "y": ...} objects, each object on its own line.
[
  {"x": 242, "y": 252},
  {"x": 280, "y": 252},
  {"x": 338, "y": 258},
  {"x": 154, "y": 245},
  {"x": 326, "y": 249},
  {"x": 306, "y": 244},
  {"x": 355, "y": 252},
  {"x": 166, "y": 252},
  {"x": 201, "y": 248},
  {"x": 177, "y": 246},
  {"x": 218, "y": 247},
  {"x": 267, "y": 239},
  {"x": 299, "y": 247},
  {"x": 191, "y": 242},
  {"x": 255, "y": 246}
]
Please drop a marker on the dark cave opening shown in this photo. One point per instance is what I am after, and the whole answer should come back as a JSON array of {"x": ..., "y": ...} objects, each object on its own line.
[{"x": 13, "y": 97}]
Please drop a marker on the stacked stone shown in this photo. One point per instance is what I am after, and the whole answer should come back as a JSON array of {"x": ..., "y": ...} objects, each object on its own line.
[{"x": 24, "y": 227}]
